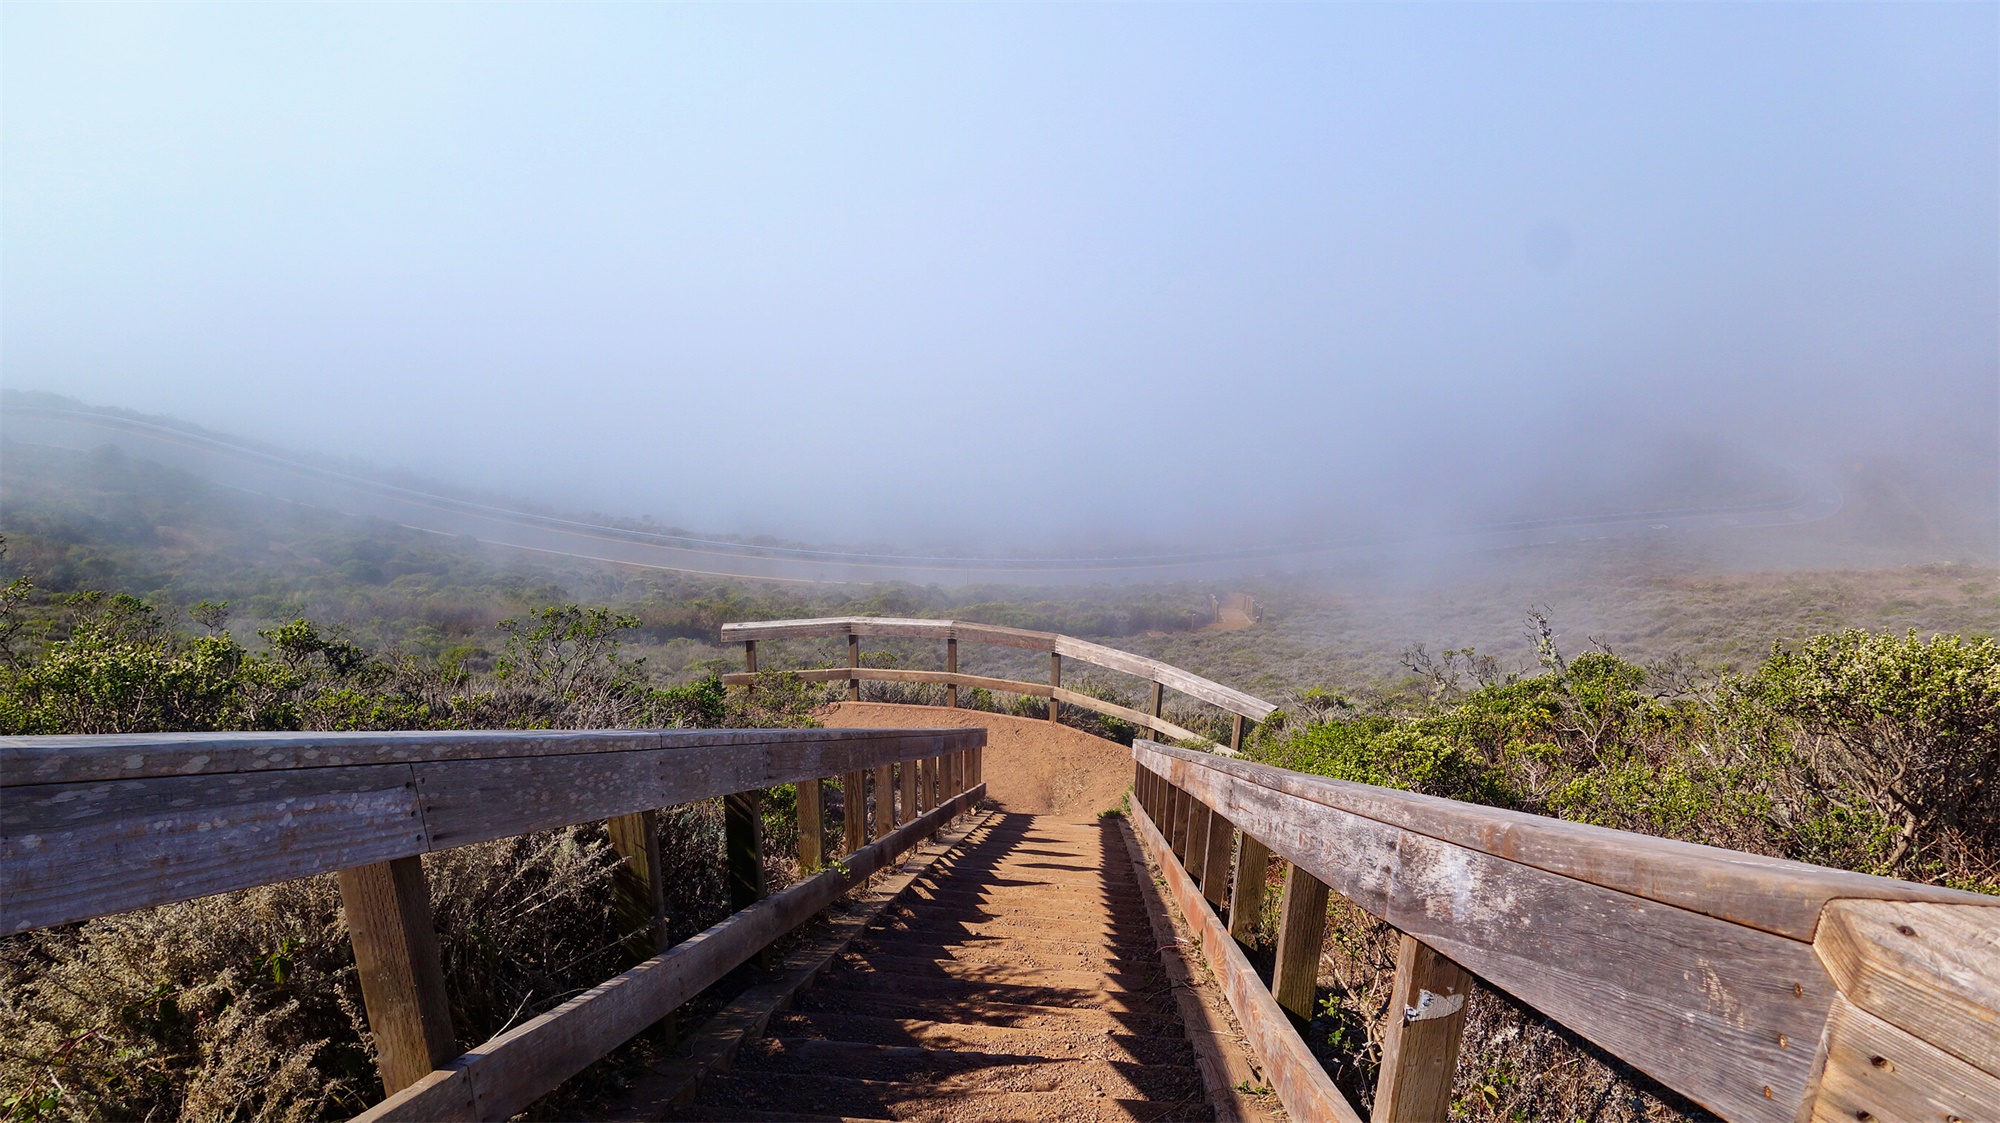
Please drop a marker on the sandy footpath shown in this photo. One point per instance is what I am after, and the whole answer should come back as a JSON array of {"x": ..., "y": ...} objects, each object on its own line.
[{"x": 1032, "y": 766}]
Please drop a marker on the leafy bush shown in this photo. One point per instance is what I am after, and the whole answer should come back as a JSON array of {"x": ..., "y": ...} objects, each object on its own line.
[{"x": 245, "y": 1006}]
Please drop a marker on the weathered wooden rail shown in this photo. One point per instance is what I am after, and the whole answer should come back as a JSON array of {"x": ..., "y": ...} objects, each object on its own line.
[
  {"x": 1762, "y": 989},
  {"x": 91, "y": 826},
  {"x": 1246, "y": 709}
]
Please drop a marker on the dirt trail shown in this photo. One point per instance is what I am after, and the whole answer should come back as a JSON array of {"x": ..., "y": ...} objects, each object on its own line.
[
  {"x": 1032, "y": 766},
  {"x": 1017, "y": 980}
]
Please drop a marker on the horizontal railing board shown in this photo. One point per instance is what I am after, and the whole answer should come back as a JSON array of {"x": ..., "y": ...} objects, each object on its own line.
[
  {"x": 499, "y": 1078},
  {"x": 62, "y": 759},
  {"x": 74, "y": 851},
  {"x": 1192, "y": 685},
  {"x": 1668, "y": 990},
  {"x": 954, "y": 678},
  {"x": 1772, "y": 894}
]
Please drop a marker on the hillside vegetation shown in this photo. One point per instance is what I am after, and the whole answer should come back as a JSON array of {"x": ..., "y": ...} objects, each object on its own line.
[{"x": 1847, "y": 717}]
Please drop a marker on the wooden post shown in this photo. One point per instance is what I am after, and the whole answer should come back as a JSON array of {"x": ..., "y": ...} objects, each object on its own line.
[
  {"x": 977, "y": 756},
  {"x": 639, "y": 896},
  {"x": 906, "y": 772},
  {"x": 1420, "y": 1042},
  {"x": 1197, "y": 843},
  {"x": 750, "y": 655},
  {"x": 1055, "y": 681},
  {"x": 743, "y": 843},
  {"x": 1183, "y": 813},
  {"x": 885, "y": 800},
  {"x": 1215, "y": 865},
  {"x": 1301, "y": 928},
  {"x": 853, "y": 802},
  {"x": 1236, "y": 733},
  {"x": 951, "y": 667},
  {"x": 926, "y": 771},
  {"x": 1159, "y": 701},
  {"x": 1246, "y": 899},
  {"x": 812, "y": 826},
  {"x": 955, "y": 771},
  {"x": 853, "y": 660},
  {"x": 388, "y": 908}
]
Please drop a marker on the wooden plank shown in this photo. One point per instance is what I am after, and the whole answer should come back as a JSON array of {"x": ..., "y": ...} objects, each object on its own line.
[
  {"x": 497, "y": 1079},
  {"x": 750, "y": 655},
  {"x": 474, "y": 801},
  {"x": 638, "y": 891},
  {"x": 31, "y": 761},
  {"x": 1293, "y": 1072},
  {"x": 1055, "y": 685},
  {"x": 1221, "y": 836},
  {"x": 1192, "y": 685},
  {"x": 387, "y": 907},
  {"x": 1421, "y": 1037},
  {"x": 907, "y": 775},
  {"x": 1771, "y": 894},
  {"x": 1301, "y": 931},
  {"x": 951, "y": 668},
  {"x": 1199, "y": 820},
  {"x": 786, "y": 629},
  {"x": 73, "y": 851},
  {"x": 1667, "y": 989},
  {"x": 1877, "y": 1073},
  {"x": 812, "y": 825},
  {"x": 926, "y": 770},
  {"x": 1005, "y": 637},
  {"x": 885, "y": 801},
  {"x": 743, "y": 847},
  {"x": 1136, "y": 717},
  {"x": 1932, "y": 970},
  {"x": 1246, "y": 897},
  {"x": 853, "y": 811}
]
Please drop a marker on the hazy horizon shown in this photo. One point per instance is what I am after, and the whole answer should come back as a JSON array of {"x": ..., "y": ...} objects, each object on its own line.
[{"x": 1014, "y": 278}]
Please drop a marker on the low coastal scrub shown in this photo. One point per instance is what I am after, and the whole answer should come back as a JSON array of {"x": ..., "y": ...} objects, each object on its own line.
[
  {"x": 1864, "y": 751},
  {"x": 246, "y": 1006}
]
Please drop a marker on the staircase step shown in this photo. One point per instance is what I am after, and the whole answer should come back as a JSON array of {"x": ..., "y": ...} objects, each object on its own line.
[
  {"x": 983, "y": 1011},
  {"x": 1074, "y": 1040},
  {"x": 938, "y": 1103},
  {"x": 960, "y": 991},
  {"x": 961, "y": 1070},
  {"x": 1016, "y": 974}
]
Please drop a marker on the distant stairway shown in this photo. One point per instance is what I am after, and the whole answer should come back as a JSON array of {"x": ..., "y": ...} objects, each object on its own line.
[{"x": 1017, "y": 980}]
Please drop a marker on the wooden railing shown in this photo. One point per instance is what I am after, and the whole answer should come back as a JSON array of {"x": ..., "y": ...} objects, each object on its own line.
[
  {"x": 1761, "y": 989},
  {"x": 1245, "y": 709},
  {"x": 91, "y": 826}
]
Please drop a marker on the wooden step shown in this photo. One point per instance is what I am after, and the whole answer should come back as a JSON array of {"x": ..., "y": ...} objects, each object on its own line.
[
  {"x": 959, "y": 992},
  {"x": 982, "y": 1011},
  {"x": 959, "y": 1070},
  {"x": 1087, "y": 1039},
  {"x": 820, "y": 1095},
  {"x": 1016, "y": 974}
]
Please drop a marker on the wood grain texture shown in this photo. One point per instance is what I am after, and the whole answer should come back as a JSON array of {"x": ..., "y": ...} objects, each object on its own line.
[
  {"x": 637, "y": 886},
  {"x": 1421, "y": 1036},
  {"x": 29, "y": 761},
  {"x": 1877, "y": 1073},
  {"x": 1295, "y": 1074},
  {"x": 1667, "y": 989},
  {"x": 500, "y": 1077},
  {"x": 853, "y": 810},
  {"x": 387, "y": 907},
  {"x": 812, "y": 824},
  {"x": 906, "y": 775},
  {"x": 885, "y": 801},
  {"x": 1772, "y": 894},
  {"x": 1198, "y": 822},
  {"x": 1931, "y": 970},
  {"x": 1301, "y": 930},
  {"x": 1246, "y": 896},
  {"x": 951, "y": 668},
  {"x": 78, "y": 850},
  {"x": 1221, "y": 843}
]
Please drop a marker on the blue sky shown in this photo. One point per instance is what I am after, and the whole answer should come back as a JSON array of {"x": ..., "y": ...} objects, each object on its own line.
[{"x": 1013, "y": 276}]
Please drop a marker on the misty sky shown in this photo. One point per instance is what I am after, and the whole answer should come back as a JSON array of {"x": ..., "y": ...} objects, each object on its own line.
[{"x": 1013, "y": 277}]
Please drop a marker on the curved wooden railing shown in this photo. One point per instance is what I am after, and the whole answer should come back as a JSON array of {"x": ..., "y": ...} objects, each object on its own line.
[
  {"x": 1246, "y": 709},
  {"x": 91, "y": 826},
  {"x": 1762, "y": 989}
]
